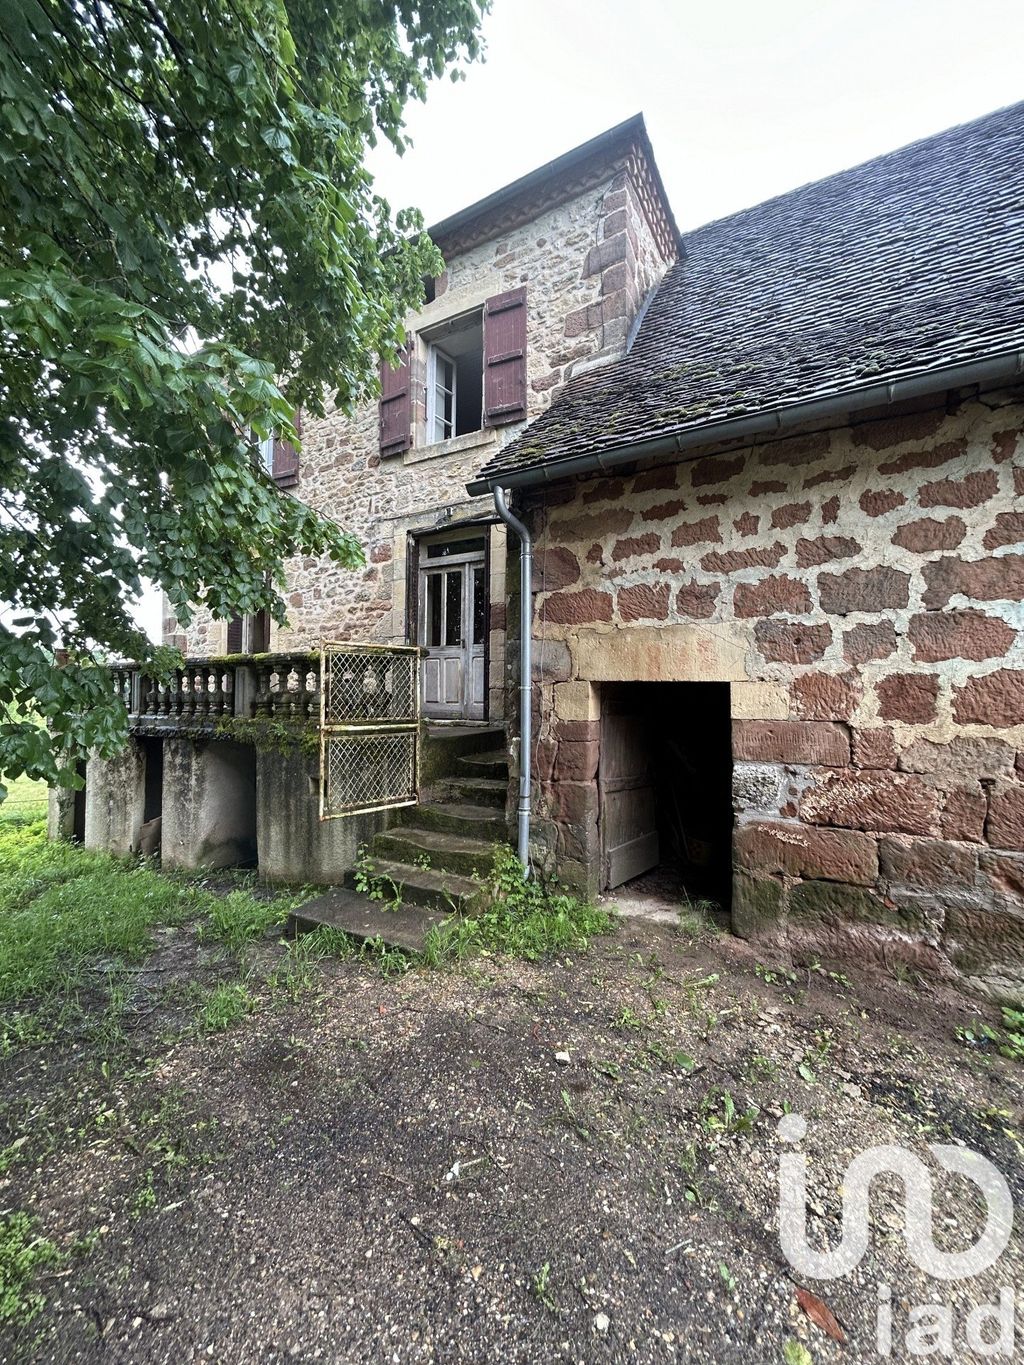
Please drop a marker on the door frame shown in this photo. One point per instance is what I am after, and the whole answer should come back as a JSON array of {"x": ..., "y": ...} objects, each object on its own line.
[{"x": 419, "y": 568}]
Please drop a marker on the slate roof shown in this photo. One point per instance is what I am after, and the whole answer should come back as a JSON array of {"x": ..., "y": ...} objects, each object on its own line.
[{"x": 905, "y": 265}]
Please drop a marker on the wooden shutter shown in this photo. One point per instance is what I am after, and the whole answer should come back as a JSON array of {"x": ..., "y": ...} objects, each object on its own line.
[
  {"x": 505, "y": 358},
  {"x": 396, "y": 406},
  {"x": 235, "y": 635},
  {"x": 286, "y": 458}
]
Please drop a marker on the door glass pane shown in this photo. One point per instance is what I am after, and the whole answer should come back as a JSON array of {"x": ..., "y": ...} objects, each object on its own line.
[
  {"x": 453, "y": 602},
  {"x": 433, "y": 631},
  {"x": 479, "y": 605}
]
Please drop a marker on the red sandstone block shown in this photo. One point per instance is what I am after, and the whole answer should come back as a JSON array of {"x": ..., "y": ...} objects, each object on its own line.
[
  {"x": 869, "y": 640},
  {"x": 644, "y": 602},
  {"x": 771, "y": 596},
  {"x": 963, "y": 815},
  {"x": 697, "y": 599},
  {"x": 757, "y": 557},
  {"x": 1007, "y": 529},
  {"x": 874, "y": 748},
  {"x": 969, "y": 634},
  {"x": 872, "y": 799},
  {"x": 909, "y": 697},
  {"x": 825, "y": 549},
  {"x": 878, "y": 589},
  {"x": 555, "y": 568},
  {"x": 928, "y": 534},
  {"x": 693, "y": 532},
  {"x": 820, "y": 743},
  {"x": 970, "y": 491},
  {"x": 911, "y": 426},
  {"x": 791, "y": 514},
  {"x": 807, "y": 851},
  {"x": 716, "y": 469},
  {"x": 826, "y": 696},
  {"x": 986, "y": 580},
  {"x": 577, "y": 608},
  {"x": 876, "y": 502},
  {"x": 996, "y": 699},
  {"x": 786, "y": 642},
  {"x": 631, "y": 546},
  {"x": 932, "y": 863},
  {"x": 925, "y": 459},
  {"x": 576, "y": 762},
  {"x": 1005, "y": 827}
]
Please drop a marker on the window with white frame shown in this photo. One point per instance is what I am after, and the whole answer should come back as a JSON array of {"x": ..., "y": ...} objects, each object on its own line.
[{"x": 455, "y": 360}]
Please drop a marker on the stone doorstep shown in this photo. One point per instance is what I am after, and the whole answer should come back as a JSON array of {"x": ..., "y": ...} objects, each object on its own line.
[{"x": 363, "y": 919}]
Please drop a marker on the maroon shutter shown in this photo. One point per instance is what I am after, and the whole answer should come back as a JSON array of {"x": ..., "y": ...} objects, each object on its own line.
[
  {"x": 235, "y": 635},
  {"x": 505, "y": 358},
  {"x": 286, "y": 458},
  {"x": 396, "y": 406}
]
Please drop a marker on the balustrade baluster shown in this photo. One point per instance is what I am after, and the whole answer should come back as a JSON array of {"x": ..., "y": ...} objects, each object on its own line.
[
  {"x": 217, "y": 694},
  {"x": 202, "y": 692},
  {"x": 263, "y": 699}
]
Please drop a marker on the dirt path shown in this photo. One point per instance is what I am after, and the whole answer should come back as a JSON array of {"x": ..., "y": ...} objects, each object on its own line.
[{"x": 405, "y": 1170}]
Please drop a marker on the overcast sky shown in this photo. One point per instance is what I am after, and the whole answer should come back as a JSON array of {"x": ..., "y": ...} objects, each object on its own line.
[{"x": 744, "y": 99}]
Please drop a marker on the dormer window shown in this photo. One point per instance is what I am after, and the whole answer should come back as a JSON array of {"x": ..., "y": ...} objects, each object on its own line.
[{"x": 455, "y": 360}]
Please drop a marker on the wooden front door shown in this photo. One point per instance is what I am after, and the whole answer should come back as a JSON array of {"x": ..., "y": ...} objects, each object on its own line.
[
  {"x": 629, "y": 819},
  {"x": 453, "y": 615}
]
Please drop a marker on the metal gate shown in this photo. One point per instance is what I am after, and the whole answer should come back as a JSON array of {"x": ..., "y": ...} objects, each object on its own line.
[{"x": 369, "y": 728}]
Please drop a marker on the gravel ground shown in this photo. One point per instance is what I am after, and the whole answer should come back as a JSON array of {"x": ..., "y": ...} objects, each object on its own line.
[{"x": 567, "y": 1161}]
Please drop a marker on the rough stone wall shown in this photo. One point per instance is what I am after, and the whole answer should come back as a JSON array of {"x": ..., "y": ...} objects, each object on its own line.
[
  {"x": 861, "y": 590},
  {"x": 587, "y": 266}
]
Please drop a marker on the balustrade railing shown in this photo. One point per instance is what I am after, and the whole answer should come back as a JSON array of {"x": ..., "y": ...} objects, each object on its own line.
[{"x": 203, "y": 692}]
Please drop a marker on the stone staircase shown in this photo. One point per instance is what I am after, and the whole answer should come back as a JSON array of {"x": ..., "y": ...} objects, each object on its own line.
[{"x": 430, "y": 860}]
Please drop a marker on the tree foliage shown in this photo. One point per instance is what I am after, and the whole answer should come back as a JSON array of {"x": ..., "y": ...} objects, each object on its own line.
[{"x": 190, "y": 249}]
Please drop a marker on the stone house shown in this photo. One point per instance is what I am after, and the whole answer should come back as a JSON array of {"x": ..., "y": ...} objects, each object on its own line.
[
  {"x": 543, "y": 281},
  {"x": 770, "y": 471},
  {"x": 779, "y": 569}
]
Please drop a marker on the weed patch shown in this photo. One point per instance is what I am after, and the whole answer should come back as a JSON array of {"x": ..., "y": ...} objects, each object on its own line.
[
  {"x": 22, "y": 1256},
  {"x": 522, "y": 918}
]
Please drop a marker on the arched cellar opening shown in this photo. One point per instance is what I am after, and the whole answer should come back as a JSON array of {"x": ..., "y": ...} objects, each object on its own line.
[{"x": 665, "y": 788}]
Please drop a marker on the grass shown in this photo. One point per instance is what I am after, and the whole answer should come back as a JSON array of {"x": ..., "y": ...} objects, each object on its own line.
[
  {"x": 224, "y": 1005},
  {"x": 520, "y": 919},
  {"x": 25, "y": 802},
  {"x": 62, "y": 907},
  {"x": 22, "y": 1255}
]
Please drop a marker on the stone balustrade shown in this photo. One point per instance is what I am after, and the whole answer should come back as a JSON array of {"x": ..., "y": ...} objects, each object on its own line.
[{"x": 204, "y": 692}]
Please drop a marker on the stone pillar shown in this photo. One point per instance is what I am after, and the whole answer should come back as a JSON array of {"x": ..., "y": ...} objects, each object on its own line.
[{"x": 116, "y": 800}]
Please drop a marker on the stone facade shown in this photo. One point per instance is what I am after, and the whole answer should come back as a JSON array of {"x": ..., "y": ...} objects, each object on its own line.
[
  {"x": 587, "y": 260},
  {"x": 860, "y": 589}
]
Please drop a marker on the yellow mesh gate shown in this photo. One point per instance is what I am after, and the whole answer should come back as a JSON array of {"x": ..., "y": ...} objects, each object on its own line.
[{"x": 369, "y": 728}]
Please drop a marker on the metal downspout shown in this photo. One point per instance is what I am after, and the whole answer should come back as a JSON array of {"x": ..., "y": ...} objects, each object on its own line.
[{"x": 525, "y": 671}]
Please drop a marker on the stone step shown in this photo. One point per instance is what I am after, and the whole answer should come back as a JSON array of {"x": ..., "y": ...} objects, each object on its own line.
[
  {"x": 362, "y": 919},
  {"x": 493, "y": 764},
  {"x": 479, "y": 791},
  {"x": 446, "y": 852},
  {"x": 446, "y": 891},
  {"x": 476, "y": 822}
]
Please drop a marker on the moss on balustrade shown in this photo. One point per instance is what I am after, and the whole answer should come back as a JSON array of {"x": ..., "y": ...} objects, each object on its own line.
[{"x": 270, "y": 735}]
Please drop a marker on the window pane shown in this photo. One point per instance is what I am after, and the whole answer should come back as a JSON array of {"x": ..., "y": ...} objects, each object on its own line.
[
  {"x": 453, "y": 601},
  {"x": 479, "y": 605},
  {"x": 444, "y": 548},
  {"x": 433, "y": 631}
]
